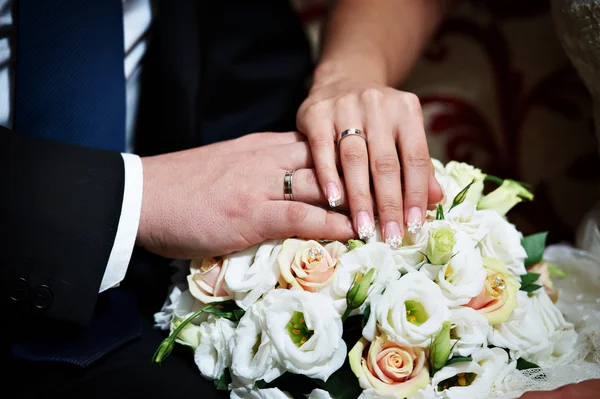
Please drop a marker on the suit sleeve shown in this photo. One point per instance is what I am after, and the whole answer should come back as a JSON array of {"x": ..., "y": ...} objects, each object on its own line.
[{"x": 60, "y": 211}]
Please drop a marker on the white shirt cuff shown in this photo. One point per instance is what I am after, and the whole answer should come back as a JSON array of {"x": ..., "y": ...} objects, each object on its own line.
[{"x": 128, "y": 223}]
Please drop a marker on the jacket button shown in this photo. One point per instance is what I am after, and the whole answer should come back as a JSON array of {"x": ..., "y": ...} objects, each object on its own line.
[
  {"x": 20, "y": 290},
  {"x": 42, "y": 297}
]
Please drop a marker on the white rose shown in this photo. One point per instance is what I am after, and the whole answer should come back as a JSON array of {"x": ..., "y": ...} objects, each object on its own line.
[
  {"x": 503, "y": 241},
  {"x": 305, "y": 331},
  {"x": 162, "y": 319},
  {"x": 463, "y": 174},
  {"x": 358, "y": 262},
  {"x": 463, "y": 276},
  {"x": 449, "y": 186},
  {"x": 213, "y": 354},
  {"x": 253, "y": 272},
  {"x": 319, "y": 394},
  {"x": 425, "y": 393},
  {"x": 536, "y": 331},
  {"x": 255, "y": 393},
  {"x": 471, "y": 329},
  {"x": 474, "y": 379},
  {"x": 410, "y": 311},
  {"x": 409, "y": 257},
  {"x": 462, "y": 218},
  {"x": 252, "y": 354}
]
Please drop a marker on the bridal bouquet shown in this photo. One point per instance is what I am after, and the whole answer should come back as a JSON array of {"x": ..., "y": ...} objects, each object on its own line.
[{"x": 463, "y": 304}]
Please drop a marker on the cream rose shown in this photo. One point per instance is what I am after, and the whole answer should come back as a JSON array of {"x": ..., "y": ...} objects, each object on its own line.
[
  {"x": 252, "y": 352},
  {"x": 475, "y": 379},
  {"x": 469, "y": 330},
  {"x": 253, "y": 272},
  {"x": 544, "y": 271},
  {"x": 206, "y": 279},
  {"x": 410, "y": 311},
  {"x": 355, "y": 264},
  {"x": 389, "y": 368},
  {"x": 498, "y": 298},
  {"x": 308, "y": 265},
  {"x": 305, "y": 332},
  {"x": 213, "y": 353}
]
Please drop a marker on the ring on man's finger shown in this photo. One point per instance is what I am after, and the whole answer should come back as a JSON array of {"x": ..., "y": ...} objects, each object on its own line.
[
  {"x": 288, "y": 194},
  {"x": 351, "y": 132}
]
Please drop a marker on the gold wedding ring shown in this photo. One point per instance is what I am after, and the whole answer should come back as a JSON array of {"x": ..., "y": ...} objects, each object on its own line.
[
  {"x": 351, "y": 132},
  {"x": 288, "y": 195}
]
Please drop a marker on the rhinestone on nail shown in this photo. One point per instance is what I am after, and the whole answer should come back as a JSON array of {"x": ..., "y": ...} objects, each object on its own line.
[
  {"x": 365, "y": 232},
  {"x": 413, "y": 227},
  {"x": 394, "y": 242},
  {"x": 334, "y": 202}
]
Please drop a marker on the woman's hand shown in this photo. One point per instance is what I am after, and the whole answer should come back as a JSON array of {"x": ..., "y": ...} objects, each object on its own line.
[{"x": 395, "y": 154}]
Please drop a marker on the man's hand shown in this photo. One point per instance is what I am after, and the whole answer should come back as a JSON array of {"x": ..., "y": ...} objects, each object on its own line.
[
  {"x": 589, "y": 389},
  {"x": 225, "y": 197}
]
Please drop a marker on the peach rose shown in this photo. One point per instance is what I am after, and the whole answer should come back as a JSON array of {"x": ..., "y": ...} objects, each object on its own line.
[
  {"x": 498, "y": 298},
  {"x": 206, "y": 280},
  {"x": 544, "y": 271},
  {"x": 389, "y": 368},
  {"x": 308, "y": 265}
]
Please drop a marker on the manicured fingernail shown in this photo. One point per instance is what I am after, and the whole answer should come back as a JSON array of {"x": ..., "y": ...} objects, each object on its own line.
[
  {"x": 414, "y": 219},
  {"x": 333, "y": 195},
  {"x": 365, "y": 225},
  {"x": 393, "y": 236}
]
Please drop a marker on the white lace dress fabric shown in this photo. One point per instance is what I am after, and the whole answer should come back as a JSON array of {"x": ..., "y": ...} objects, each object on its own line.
[{"x": 578, "y": 28}]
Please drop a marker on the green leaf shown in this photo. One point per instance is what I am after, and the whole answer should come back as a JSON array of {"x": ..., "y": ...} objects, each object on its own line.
[
  {"x": 523, "y": 364},
  {"x": 531, "y": 287},
  {"x": 366, "y": 316},
  {"x": 342, "y": 384},
  {"x": 227, "y": 309},
  {"x": 529, "y": 278},
  {"x": 440, "y": 213},
  {"x": 460, "y": 197},
  {"x": 459, "y": 359},
  {"x": 222, "y": 383},
  {"x": 534, "y": 246}
]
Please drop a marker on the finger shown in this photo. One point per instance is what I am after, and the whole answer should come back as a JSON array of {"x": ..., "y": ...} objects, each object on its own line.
[
  {"x": 316, "y": 122},
  {"x": 355, "y": 166},
  {"x": 290, "y": 156},
  {"x": 284, "y": 219},
  {"x": 415, "y": 160},
  {"x": 385, "y": 171},
  {"x": 435, "y": 192},
  {"x": 305, "y": 187}
]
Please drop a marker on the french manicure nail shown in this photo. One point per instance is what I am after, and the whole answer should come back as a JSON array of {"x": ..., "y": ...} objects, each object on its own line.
[
  {"x": 393, "y": 236},
  {"x": 333, "y": 195},
  {"x": 414, "y": 219},
  {"x": 365, "y": 225}
]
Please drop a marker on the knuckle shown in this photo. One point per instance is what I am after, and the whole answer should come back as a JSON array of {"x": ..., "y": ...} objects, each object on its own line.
[
  {"x": 318, "y": 144},
  {"x": 360, "y": 198},
  {"x": 372, "y": 96},
  {"x": 312, "y": 111},
  {"x": 353, "y": 156},
  {"x": 387, "y": 165},
  {"x": 345, "y": 101},
  {"x": 390, "y": 207},
  {"x": 419, "y": 160},
  {"x": 411, "y": 103}
]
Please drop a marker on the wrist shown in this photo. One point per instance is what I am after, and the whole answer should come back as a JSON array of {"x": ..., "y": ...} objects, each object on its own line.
[
  {"x": 352, "y": 68},
  {"x": 148, "y": 209}
]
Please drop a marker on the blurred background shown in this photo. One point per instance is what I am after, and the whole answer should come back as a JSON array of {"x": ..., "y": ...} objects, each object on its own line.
[{"x": 498, "y": 91}]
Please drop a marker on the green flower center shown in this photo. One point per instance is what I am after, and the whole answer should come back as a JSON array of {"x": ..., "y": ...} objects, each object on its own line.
[
  {"x": 460, "y": 380},
  {"x": 415, "y": 312},
  {"x": 297, "y": 329}
]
